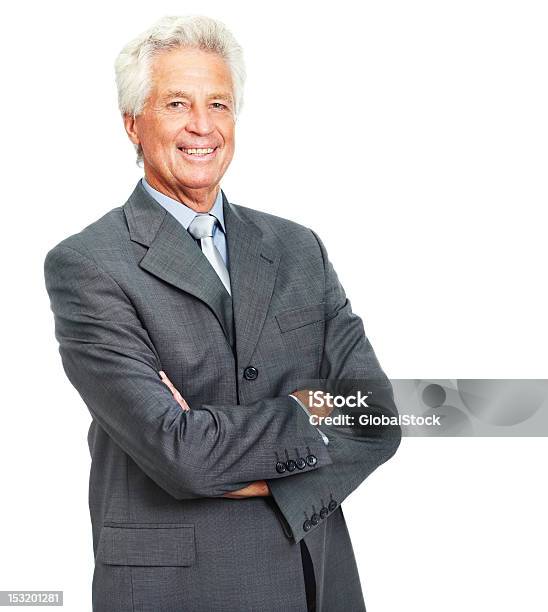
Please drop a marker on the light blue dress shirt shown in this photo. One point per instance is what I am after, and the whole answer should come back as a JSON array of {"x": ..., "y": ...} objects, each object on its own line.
[{"x": 185, "y": 215}]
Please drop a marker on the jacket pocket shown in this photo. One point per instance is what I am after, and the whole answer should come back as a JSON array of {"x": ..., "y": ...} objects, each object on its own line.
[
  {"x": 149, "y": 544},
  {"x": 299, "y": 317}
]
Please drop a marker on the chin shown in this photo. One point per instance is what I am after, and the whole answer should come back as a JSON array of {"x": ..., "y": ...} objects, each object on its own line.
[{"x": 197, "y": 183}]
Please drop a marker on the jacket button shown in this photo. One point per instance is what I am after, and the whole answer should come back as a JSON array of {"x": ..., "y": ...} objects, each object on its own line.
[
  {"x": 332, "y": 505},
  {"x": 314, "y": 519},
  {"x": 324, "y": 512},
  {"x": 251, "y": 373},
  {"x": 291, "y": 465},
  {"x": 280, "y": 467},
  {"x": 311, "y": 460},
  {"x": 301, "y": 463},
  {"x": 307, "y": 525}
]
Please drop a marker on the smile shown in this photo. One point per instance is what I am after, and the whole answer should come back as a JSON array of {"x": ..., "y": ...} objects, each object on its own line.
[{"x": 204, "y": 153}]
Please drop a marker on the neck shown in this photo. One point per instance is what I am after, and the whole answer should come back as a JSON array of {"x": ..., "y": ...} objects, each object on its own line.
[{"x": 200, "y": 200}]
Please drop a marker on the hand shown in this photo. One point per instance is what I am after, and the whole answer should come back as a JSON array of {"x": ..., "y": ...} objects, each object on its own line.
[
  {"x": 319, "y": 408},
  {"x": 180, "y": 399},
  {"x": 255, "y": 489}
]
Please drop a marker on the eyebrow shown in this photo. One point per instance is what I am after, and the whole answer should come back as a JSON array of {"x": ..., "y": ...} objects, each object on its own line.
[{"x": 178, "y": 93}]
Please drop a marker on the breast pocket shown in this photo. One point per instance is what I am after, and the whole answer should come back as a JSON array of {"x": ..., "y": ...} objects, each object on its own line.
[
  {"x": 302, "y": 316},
  {"x": 301, "y": 335}
]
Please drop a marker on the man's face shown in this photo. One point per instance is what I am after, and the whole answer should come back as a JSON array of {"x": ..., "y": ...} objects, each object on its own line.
[{"x": 190, "y": 106}]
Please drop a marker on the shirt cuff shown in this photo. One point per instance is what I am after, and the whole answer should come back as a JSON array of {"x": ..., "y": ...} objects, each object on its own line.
[{"x": 324, "y": 437}]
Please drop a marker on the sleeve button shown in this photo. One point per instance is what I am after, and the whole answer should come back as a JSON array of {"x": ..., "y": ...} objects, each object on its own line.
[
  {"x": 311, "y": 460},
  {"x": 280, "y": 467},
  {"x": 291, "y": 465},
  {"x": 301, "y": 463}
]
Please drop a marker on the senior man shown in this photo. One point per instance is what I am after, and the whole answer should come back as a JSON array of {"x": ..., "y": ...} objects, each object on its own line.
[{"x": 192, "y": 327}]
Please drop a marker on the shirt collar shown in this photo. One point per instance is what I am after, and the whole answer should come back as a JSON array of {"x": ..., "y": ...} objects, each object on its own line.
[{"x": 183, "y": 213}]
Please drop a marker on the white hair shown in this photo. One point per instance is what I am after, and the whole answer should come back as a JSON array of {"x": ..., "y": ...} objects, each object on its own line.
[{"x": 133, "y": 64}]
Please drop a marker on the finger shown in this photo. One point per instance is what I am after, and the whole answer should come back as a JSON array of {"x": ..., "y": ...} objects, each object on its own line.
[
  {"x": 184, "y": 406},
  {"x": 181, "y": 401},
  {"x": 166, "y": 380},
  {"x": 164, "y": 377},
  {"x": 178, "y": 397}
]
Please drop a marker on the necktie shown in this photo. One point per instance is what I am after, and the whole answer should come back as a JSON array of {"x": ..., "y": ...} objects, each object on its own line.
[{"x": 201, "y": 228}]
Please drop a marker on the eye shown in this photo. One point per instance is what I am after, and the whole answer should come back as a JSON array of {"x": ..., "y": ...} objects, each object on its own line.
[
  {"x": 176, "y": 104},
  {"x": 219, "y": 105}
]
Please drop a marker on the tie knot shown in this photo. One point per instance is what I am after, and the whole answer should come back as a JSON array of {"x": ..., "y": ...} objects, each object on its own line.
[{"x": 202, "y": 226}]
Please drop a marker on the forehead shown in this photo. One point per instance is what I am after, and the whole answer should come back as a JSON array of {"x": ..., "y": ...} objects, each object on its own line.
[{"x": 184, "y": 68}]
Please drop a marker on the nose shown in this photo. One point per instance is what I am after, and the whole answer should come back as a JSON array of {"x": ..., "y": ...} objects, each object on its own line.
[{"x": 200, "y": 121}]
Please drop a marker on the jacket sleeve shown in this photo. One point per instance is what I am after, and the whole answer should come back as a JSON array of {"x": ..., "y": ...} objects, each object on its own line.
[
  {"x": 349, "y": 365},
  {"x": 110, "y": 359}
]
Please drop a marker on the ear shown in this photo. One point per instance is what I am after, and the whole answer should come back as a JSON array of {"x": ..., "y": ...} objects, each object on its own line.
[{"x": 130, "y": 123}]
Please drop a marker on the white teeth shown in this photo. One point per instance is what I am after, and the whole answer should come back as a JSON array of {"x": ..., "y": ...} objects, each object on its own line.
[{"x": 198, "y": 151}]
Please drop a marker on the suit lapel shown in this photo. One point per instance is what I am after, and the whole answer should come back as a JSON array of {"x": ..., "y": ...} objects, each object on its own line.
[
  {"x": 174, "y": 256},
  {"x": 253, "y": 268}
]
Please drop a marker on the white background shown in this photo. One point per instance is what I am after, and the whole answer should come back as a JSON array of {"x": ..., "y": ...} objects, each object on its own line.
[{"x": 412, "y": 136}]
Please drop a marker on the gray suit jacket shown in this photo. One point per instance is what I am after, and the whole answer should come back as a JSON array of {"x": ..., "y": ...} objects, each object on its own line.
[{"x": 133, "y": 294}]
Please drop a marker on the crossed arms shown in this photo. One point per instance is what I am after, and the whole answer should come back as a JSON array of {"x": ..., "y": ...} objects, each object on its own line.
[{"x": 259, "y": 488}]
